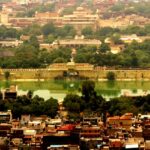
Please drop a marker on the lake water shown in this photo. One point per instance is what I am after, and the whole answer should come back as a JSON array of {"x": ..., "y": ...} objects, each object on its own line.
[{"x": 59, "y": 89}]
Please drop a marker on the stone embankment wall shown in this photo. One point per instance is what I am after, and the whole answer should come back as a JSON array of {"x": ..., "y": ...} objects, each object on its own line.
[
  {"x": 128, "y": 74},
  {"x": 134, "y": 74}
]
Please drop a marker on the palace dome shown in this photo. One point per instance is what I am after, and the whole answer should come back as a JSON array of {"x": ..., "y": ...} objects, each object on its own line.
[{"x": 80, "y": 8}]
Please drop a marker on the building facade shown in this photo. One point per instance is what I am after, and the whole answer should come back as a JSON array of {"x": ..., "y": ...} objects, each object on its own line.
[{"x": 81, "y": 18}]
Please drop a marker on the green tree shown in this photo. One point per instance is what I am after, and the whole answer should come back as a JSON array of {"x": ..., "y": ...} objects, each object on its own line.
[
  {"x": 49, "y": 28},
  {"x": 30, "y": 94},
  {"x": 51, "y": 107},
  {"x": 7, "y": 75},
  {"x": 59, "y": 60},
  {"x": 26, "y": 56},
  {"x": 134, "y": 61},
  {"x": 87, "y": 31},
  {"x": 69, "y": 30},
  {"x": 146, "y": 107},
  {"x": 111, "y": 76},
  {"x": 34, "y": 30},
  {"x": 37, "y": 106},
  {"x": 114, "y": 107},
  {"x": 116, "y": 39},
  {"x": 118, "y": 7},
  {"x": 68, "y": 10},
  {"x": 8, "y": 32},
  {"x": 106, "y": 31},
  {"x": 50, "y": 38},
  {"x": 73, "y": 103},
  {"x": 88, "y": 89},
  {"x": 92, "y": 101},
  {"x": 34, "y": 41},
  {"x": 147, "y": 29},
  {"x": 132, "y": 29},
  {"x": 104, "y": 47}
]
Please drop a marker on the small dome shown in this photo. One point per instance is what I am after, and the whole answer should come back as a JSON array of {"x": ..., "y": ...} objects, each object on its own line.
[{"x": 80, "y": 8}]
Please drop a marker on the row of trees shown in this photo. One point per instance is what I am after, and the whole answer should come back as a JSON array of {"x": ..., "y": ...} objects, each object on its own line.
[
  {"x": 51, "y": 32},
  {"x": 68, "y": 31},
  {"x": 30, "y": 105},
  {"x": 134, "y": 55},
  {"x": 104, "y": 32},
  {"x": 28, "y": 55},
  {"x": 8, "y": 32},
  {"x": 91, "y": 102}
]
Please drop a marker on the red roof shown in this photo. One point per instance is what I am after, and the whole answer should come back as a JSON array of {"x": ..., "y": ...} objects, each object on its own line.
[
  {"x": 67, "y": 127},
  {"x": 27, "y": 136},
  {"x": 116, "y": 144}
]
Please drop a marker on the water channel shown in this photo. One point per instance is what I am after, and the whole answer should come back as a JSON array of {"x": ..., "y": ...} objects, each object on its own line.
[{"x": 58, "y": 89}]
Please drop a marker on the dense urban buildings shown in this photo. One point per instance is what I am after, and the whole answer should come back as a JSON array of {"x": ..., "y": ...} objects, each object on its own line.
[{"x": 99, "y": 41}]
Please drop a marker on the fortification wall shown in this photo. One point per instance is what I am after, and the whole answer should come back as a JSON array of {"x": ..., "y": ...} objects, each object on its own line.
[
  {"x": 134, "y": 74},
  {"x": 32, "y": 73},
  {"x": 119, "y": 74}
]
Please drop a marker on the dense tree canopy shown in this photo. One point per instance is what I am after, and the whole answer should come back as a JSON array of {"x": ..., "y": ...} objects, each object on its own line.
[
  {"x": 73, "y": 103},
  {"x": 104, "y": 47},
  {"x": 133, "y": 54},
  {"x": 87, "y": 32},
  {"x": 90, "y": 102},
  {"x": 29, "y": 56},
  {"x": 8, "y": 33},
  {"x": 140, "y": 8},
  {"x": 27, "y": 105}
]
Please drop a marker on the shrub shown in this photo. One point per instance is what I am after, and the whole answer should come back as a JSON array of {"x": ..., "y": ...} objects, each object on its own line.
[{"x": 111, "y": 76}]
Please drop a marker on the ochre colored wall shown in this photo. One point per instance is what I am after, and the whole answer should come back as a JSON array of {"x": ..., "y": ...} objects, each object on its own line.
[{"x": 93, "y": 74}]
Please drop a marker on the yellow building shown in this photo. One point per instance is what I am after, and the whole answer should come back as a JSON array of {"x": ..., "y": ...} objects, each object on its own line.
[
  {"x": 4, "y": 19},
  {"x": 126, "y": 39},
  {"x": 71, "y": 65},
  {"x": 6, "y": 117},
  {"x": 130, "y": 38},
  {"x": 125, "y": 121},
  {"x": 77, "y": 42},
  {"x": 81, "y": 18}
]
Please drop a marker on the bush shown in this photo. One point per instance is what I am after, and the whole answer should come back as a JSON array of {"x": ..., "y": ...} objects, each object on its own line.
[
  {"x": 111, "y": 76},
  {"x": 7, "y": 75}
]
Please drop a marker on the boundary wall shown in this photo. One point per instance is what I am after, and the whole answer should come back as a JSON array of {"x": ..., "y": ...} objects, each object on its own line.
[{"x": 95, "y": 74}]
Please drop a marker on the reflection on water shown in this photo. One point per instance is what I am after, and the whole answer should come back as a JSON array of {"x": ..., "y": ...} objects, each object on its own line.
[
  {"x": 58, "y": 89},
  {"x": 42, "y": 93},
  {"x": 7, "y": 84},
  {"x": 111, "y": 84},
  {"x": 137, "y": 92}
]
